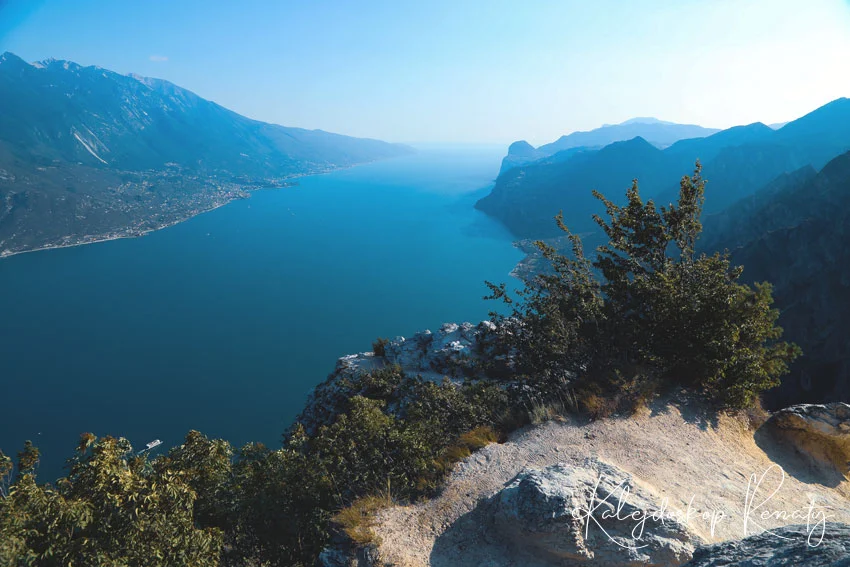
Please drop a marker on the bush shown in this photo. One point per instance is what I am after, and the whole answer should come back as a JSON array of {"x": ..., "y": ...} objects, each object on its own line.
[
  {"x": 379, "y": 346},
  {"x": 393, "y": 432}
]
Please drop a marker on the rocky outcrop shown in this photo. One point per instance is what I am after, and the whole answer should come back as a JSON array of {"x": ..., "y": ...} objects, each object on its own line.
[
  {"x": 595, "y": 514},
  {"x": 792, "y": 546},
  {"x": 508, "y": 505},
  {"x": 820, "y": 432},
  {"x": 455, "y": 351},
  {"x": 519, "y": 153}
]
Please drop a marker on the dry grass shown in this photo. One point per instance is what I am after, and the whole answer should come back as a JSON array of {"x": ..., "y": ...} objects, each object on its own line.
[
  {"x": 598, "y": 407},
  {"x": 478, "y": 438},
  {"x": 467, "y": 443},
  {"x": 358, "y": 519}
]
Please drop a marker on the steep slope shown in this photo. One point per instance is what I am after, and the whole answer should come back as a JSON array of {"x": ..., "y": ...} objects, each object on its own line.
[
  {"x": 820, "y": 135},
  {"x": 737, "y": 162},
  {"x": 794, "y": 234},
  {"x": 86, "y": 153},
  {"x": 706, "y": 149},
  {"x": 736, "y": 171},
  {"x": 744, "y": 221}
]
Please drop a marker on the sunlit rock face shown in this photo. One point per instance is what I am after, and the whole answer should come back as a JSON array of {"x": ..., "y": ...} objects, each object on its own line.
[{"x": 821, "y": 432}]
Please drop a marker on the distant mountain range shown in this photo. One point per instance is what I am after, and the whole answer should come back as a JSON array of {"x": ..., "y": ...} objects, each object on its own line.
[
  {"x": 737, "y": 162},
  {"x": 657, "y": 132},
  {"x": 87, "y": 154}
]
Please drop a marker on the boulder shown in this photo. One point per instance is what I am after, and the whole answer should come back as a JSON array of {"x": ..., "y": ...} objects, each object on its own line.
[
  {"x": 595, "y": 514},
  {"x": 819, "y": 431},
  {"x": 790, "y": 546}
]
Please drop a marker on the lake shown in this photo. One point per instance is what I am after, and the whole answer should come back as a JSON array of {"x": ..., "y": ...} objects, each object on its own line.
[{"x": 225, "y": 322}]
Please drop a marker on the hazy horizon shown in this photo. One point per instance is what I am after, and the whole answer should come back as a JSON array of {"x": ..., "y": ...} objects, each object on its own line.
[{"x": 475, "y": 73}]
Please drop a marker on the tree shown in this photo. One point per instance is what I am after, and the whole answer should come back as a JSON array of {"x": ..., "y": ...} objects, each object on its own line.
[
  {"x": 553, "y": 326},
  {"x": 112, "y": 509},
  {"x": 659, "y": 312}
]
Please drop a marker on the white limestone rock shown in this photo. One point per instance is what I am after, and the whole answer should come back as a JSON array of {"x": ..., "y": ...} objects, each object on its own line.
[{"x": 588, "y": 515}]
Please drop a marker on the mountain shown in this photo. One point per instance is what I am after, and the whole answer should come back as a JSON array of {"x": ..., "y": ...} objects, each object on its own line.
[
  {"x": 794, "y": 234},
  {"x": 530, "y": 191},
  {"x": 736, "y": 162},
  {"x": 820, "y": 135},
  {"x": 86, "y": 153},
  {"x": 709, "y": 147},
  {"x": 657, "y": 132}
]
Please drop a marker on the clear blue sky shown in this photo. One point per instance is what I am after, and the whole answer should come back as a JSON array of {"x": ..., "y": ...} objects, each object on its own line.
[{"x": 462, "y": 70}]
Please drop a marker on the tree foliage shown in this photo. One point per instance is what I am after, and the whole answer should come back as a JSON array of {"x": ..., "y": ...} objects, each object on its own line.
[
  {"x": 205, "y": 504},
  {"x": 111, "y": 509}
]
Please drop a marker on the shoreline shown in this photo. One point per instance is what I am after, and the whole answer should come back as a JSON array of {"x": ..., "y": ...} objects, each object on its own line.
[
  {"x": 98, "y": 239},
  {"x": 287, "y": 183}
]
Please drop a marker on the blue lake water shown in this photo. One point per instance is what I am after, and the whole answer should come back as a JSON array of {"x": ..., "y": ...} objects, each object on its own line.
[{"x": 225, "y": 322}]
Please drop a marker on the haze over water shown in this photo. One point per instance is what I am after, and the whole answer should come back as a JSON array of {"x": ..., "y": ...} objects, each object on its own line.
[{"x": 225, "y": 322}]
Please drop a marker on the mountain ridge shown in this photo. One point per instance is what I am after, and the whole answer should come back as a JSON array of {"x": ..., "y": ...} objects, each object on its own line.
[
  {"x": 736, "y": 161},
  {"x": 659, "y": 133}
]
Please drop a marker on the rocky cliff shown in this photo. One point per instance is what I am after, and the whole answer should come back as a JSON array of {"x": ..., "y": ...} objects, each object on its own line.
[
  {"x": 455, "y": 351},
  {"x": 671, "y": 484}
]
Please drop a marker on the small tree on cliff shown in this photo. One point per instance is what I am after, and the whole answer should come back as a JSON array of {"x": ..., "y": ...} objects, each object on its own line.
[{"x": 659, "y": 311}]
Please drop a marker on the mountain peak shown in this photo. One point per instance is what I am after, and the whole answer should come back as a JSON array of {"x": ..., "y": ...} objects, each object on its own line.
[
  {"x": 822, "y": 117},
  {"x": 9, "y": 57},
  {"x": 51, "y": 63},
  {"x": 638, "y": 142},
  {"x": 521, "y": 148},
  {"x": 637, "y": 147},
  {"x": 646, "y": 120}
]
